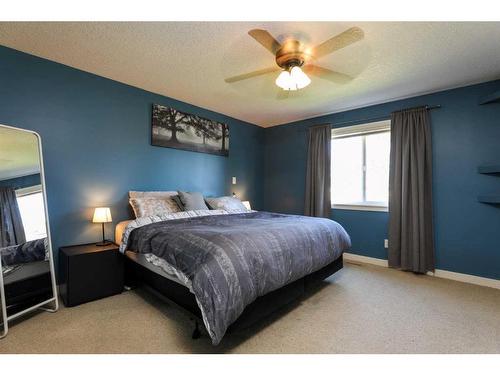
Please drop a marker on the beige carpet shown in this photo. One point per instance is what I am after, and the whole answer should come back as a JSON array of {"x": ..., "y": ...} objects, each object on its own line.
[{"x": 362, "y": 309}]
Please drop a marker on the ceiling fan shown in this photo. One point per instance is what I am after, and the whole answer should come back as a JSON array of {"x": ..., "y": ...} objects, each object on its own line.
[{"x": 294, "y": 59}]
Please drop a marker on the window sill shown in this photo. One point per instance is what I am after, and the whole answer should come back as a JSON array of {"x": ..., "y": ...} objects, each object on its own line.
[{"x": 356, "y": 207}]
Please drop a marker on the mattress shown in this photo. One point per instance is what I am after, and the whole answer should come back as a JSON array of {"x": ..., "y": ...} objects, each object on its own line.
[
  {"x": 158, "y": 266},
  {"x": 119, "y": 229}
]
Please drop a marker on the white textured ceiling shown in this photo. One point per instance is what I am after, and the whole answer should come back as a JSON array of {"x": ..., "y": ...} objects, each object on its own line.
[
  {"x": 18, "y": 153},
  {"x": 189, "y": 61}
]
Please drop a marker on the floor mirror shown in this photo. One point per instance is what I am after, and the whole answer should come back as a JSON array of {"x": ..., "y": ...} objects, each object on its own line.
[{"x": 27, "y": 279}]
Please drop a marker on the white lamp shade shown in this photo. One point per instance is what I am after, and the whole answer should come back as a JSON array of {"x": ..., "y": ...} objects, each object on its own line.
[
  {"x": 247, "y": 205},
  {"x": 102, "y": 215}
]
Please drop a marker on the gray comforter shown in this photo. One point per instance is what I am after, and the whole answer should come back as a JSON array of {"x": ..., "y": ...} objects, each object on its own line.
[
  {"x": 31, "y": 251},
  {"x": 233, "y": 259}
]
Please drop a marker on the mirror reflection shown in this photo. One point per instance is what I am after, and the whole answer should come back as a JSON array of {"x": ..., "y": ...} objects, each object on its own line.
[{"x": 24, "y": 246}]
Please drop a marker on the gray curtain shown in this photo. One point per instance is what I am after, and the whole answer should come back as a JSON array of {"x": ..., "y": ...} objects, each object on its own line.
[
  {"x": 11, "y": 225},
  {"x": 411, "y": 237},
  {"x": 318, "y": 172}
]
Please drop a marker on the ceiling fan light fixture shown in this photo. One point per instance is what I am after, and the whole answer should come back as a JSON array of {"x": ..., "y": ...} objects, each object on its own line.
[
  {"x": 291, "y": 55},
  {"x": 292, "y": 80},
  {"x": 299, "y": 77},
  {"x": 284, "y": 80}
]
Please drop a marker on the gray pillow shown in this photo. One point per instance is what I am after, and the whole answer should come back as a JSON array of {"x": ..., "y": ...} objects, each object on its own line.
[
  {"x": 226, "y": 203},
  {"x": 192, "y": 201}
]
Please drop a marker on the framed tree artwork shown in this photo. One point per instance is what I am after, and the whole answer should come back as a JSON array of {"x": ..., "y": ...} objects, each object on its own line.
[{"x": 176, "y": 129}]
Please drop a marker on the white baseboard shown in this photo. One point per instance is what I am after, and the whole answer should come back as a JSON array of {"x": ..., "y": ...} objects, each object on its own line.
[
  {"x": 350, "y": 257},
  {"x": 463, "y": 277}
]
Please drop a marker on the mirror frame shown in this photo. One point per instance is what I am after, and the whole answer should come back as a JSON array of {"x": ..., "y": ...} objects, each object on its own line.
[{"x": 54, "y": 299}]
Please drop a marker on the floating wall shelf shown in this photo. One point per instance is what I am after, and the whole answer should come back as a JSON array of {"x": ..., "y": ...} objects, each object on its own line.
[
  {"x": 492, "y": 168},
  {"x": 491, "y": 98},
  {"x": 489, "y": 169},
  {"x": 492, "y": 198}
]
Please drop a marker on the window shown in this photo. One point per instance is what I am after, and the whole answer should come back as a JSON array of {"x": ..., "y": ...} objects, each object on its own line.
[
  {"x": 360, "y": 166},
  {"x": 30, "y": 201}
]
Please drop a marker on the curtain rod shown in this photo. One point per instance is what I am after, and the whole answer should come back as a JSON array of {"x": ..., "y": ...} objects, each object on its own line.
[{"x": 380, "y": 118}]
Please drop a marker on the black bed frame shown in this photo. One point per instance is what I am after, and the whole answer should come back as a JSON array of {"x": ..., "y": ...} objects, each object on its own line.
[{"x": 137, "y": 275}]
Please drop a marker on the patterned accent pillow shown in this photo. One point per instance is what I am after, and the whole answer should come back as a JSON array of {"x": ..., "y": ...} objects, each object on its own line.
[
  {"x": 226, "y": 203},
  {"x": 153, "y": 206},
  {"x": 151, "y": 194}
]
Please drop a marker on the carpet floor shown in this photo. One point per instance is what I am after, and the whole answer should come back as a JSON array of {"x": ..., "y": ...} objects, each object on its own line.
[{"x": 361, "y": 309}]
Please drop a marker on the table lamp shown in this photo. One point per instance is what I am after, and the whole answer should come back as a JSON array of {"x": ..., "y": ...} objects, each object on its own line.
[{"x": 102, "y": 215}]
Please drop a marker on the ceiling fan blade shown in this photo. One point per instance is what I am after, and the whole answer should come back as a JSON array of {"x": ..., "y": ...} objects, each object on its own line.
[
  {"x": 265, "y": 39},
  {"x": 327, "y": 74},
  {"x": 350, "y": 36},
  {"x": 255, "y": 73}
]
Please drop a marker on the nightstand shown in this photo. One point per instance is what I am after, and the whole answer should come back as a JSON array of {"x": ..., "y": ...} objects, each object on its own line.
[{"x": 89, "y": 272}]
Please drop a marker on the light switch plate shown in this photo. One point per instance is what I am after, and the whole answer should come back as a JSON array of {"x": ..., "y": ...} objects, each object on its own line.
[
  {"x": 386, "y": 243},
  {"x": 234, "y": 180}
]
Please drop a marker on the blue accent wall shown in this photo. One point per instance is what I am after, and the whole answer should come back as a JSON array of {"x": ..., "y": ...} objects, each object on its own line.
[
  {"x": 22, "y": 182},
  {"x": 96, "y": 144},
  {"x": 464, "y": 136},
  {"x": 96, "y": 138}
]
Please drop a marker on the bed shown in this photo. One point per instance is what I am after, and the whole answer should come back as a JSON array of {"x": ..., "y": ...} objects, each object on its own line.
[
  {"x": 26, "y": 274},
  {"x": 26, "y": 285},
  {"x": 230, "y": 269}
]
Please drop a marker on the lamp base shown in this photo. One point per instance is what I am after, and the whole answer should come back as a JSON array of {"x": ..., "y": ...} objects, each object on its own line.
[{"x": 103, "y": 243}]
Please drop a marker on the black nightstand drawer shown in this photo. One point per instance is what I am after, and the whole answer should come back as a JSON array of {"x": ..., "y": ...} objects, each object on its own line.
[{"x": 89, "y": 272}]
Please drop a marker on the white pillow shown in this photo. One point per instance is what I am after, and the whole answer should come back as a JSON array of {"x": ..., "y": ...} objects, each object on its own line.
[{"x": 153, "y": 206}]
